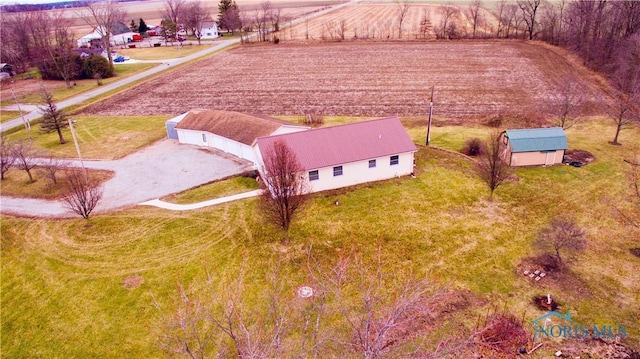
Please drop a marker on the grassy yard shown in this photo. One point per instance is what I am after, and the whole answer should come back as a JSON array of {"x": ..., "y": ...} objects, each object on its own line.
[
  {"x": 8, "y": 115},
  {"x": 100, "y": 137},
  {"x": 62, "y": 280},
  {"x": 218, "y": 189},
  {"x": 59, "y": 90},
  {"x": 161, "y": 52}
]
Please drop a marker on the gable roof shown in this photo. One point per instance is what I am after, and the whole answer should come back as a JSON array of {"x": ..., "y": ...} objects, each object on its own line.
[
  {"x": 331, "y": 146},
  {"x": 209, "y": 24},
  {"x": 537, "y": 139},
  {"x": 237, "y": 126}
]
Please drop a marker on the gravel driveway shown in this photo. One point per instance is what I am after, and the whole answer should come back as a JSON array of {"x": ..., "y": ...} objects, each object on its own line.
[{"x": 161, "y": 169}]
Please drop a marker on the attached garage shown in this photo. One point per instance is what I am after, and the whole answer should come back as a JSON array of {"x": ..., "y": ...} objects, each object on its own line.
[
  {"x": 534, "y": 146},
  {"x": 228, "y": 131}
]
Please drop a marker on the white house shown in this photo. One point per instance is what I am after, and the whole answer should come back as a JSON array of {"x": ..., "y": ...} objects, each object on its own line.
[
  {"x": 347, "y": 155},
  {"x": 209, "y": 30},
  {"x": 228, "y": 131}
]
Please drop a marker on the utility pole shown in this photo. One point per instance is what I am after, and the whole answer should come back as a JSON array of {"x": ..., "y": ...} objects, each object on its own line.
[
  {"x": 27, "y": 125},
  {"x": 430, "y": 117},
  {"x": 75, "y": 141}
]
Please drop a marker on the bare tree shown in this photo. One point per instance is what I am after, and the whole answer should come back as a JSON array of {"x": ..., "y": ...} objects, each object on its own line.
[
  {"x": 195, "y": 15},
  {"x": 15, "y": 44},
  {"x": 570, "y": 101},
  {"x": 492, "y": 169},
  {"x": 25, "y": 157},
  {"x": 626, "y": 109},
  {"x": 51, "y": 167},
  {"x": 425, "y": 25},
  {"x": 403, "y": 8},
  {"x": 53, "y": 119},
  {"x": 285, "y": 187},
  {"x": 341, "y": 29},
  {"x": 379, "y": 307},
  {"x": 447, "y": 13},
  {"x": 103, "y": 16},
  {"x": 474, "y": 14},
  {"x": 174, "y": 10},
  {"x": 230, "y": 322},
  {"x": 6, "y": 155},
  {"x": 562, "y": 234},
  {"x": 83, "y": 195},
  {"x": 61, "y": 50},
  {"x": 529, "y": 10},
  {"x": 633, "y": 216}
]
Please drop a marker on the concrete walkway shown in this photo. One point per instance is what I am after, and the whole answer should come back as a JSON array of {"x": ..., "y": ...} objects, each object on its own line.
[{"x": 187, "y": 207}]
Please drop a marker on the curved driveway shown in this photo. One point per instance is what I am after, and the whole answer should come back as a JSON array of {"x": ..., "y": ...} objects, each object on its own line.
[{"x": 161, "y": 169}]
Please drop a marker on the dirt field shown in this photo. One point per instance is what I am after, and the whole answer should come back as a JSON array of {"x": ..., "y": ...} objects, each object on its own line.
[
  {"x": 472, "y": 79},
  {"x": 381, "y": 21}
]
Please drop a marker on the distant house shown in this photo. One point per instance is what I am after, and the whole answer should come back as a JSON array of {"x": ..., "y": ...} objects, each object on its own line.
[
  {"x": 120, "y": 35},
  {"x": 209, "y": 30},
  {"x": 534, "y": 147},
  {"x": 228, "y": 131},
  {"x": 346, "y": 155},
  {"x": 85, "y": 52}
]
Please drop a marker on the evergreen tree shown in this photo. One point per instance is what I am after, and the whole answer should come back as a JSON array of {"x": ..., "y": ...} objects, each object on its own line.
[
  {"x": 223, "y": 7},
  {"x": 142, "y": 27},
  {"x": 53, "y": 119},
  {"x": 133, "y": 26}
]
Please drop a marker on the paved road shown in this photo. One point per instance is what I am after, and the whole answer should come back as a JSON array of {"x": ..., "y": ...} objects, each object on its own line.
[
  {"x": 161, "y": 169},
  {"x": 167, "y": 64}
]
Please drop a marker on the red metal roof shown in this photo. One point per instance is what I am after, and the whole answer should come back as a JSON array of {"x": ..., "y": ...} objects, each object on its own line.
[{"x": 331, "y": 146}]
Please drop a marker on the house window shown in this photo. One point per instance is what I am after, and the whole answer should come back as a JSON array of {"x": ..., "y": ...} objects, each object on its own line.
[
  {"x": 372, "y": 163},
  {"x": 204, "y": 137},
  {"x": 394, "y": 160},
  {"x": 314, "y": 175},
  {"x": 337, "y": 171}
]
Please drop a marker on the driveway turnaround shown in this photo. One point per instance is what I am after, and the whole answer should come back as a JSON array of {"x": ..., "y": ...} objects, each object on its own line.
[{"x": 156, "y": 171}]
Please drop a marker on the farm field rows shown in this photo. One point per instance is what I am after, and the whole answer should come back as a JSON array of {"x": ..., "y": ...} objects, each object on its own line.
[
  {"x": 473, "y": 80},
  {"x": 380, "y": 21}
]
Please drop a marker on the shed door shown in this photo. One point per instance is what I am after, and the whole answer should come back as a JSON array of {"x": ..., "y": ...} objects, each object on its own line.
[{"x": 550, "y": 158}]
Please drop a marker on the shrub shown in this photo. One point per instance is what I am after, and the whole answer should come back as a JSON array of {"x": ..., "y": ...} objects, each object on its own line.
[
  {"x": 96, "y": 65},
  {"x": 474, "y": 147},
  {"x": 503, "y": 334},
  {"x": 313, "y": 119}
]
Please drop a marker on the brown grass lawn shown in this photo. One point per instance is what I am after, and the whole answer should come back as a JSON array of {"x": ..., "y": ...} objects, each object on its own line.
[{"x": 473, "y": 81}]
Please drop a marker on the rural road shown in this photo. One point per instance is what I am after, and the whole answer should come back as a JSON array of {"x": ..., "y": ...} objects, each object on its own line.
[{"x": 166, "y": 64}]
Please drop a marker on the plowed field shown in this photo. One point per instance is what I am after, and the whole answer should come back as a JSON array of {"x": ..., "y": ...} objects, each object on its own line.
[
  {"x": 472, "y": 79},
  {"x": 381, "y": 21}
]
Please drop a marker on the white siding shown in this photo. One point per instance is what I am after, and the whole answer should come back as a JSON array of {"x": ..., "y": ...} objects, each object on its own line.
[
  {"x": 235, "y": 148},
  {"x": 353, "y": 173},
  {"x": 289, "y": 129},
  {"x": 359, "y": 172}
]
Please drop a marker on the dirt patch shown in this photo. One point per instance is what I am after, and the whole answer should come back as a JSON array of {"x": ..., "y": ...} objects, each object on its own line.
[
  {"x": 556, "y": 279},
  {"x": 473, "y": 81},
  {"x": 580, "y": 157},
  {"x": 132, "y": 281}
]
